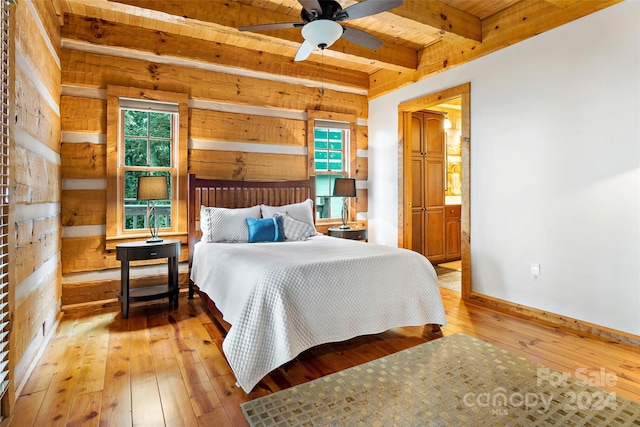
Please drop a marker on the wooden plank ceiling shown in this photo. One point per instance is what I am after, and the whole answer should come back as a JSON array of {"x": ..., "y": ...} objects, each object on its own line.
[{"x": 421, "y": 37}]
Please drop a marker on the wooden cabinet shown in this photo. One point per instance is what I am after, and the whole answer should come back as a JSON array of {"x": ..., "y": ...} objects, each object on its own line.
[
  {"x": 428, "y": 172},
  {"x": 453, "y": 239}
]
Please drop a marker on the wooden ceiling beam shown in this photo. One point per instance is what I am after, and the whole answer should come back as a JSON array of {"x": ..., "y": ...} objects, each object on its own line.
[
  {"x": 563, "y": 3},
  {"x": 163, "y": 44},
  {"x": 227, "y": 16},
  {"x": 446, "y": 22}
]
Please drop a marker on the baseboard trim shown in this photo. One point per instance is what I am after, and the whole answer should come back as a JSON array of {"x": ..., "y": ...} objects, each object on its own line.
[{"x": 556, "y": 320}]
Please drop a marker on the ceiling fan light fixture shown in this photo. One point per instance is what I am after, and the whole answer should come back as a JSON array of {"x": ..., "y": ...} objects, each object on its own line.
[{"x": 322, "y": 32}]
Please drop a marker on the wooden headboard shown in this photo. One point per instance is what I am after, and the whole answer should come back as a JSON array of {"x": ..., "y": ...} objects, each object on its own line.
[{"x": 241, "y": 194}]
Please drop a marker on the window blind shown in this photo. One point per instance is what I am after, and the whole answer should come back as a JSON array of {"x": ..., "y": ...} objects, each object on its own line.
[
  {"x": 331, "y": 124},
  {"x": 4, "y": 196},
  {"x": 144, "y": 105}
]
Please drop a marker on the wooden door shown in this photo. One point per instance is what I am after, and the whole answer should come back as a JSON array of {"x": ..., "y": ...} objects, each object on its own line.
[
  {"x": 418, "y": 208},
  {"x": 427, "y": 169}
]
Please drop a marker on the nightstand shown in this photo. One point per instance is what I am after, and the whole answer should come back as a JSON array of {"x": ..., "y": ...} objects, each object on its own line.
[
  {"x": 136, "y": 251},
  {"x": 349, "y": 233}
]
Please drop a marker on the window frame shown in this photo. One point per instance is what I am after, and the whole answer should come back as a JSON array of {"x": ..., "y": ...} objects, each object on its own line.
[
  {"x": 349, "y": 159},
  {"x": 124, "y": 168},
  {"x": 118, "y": 99}
]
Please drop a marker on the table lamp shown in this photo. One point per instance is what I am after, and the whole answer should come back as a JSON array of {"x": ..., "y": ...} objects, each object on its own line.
[
  {"x": 344, "y": 187},
  {"x": 150, "y": 188}
]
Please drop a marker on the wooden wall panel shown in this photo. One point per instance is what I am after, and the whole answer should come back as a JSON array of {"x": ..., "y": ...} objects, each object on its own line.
[
  {"x": 36, "y": 52},
  {"x": 362, "y": 137},
  {"x": 98, "y": 71},
  {"x": 362, "y": 200},
  {"x": 34, "y": 115},
  {"x": 83, "y": 207},
  {"x": 35, "y": 285},
  {"x": 83, "y": 161},
  {"x": 86, "y": 254},
  {"x": 33, "y": 311},
  {"x": 83, "y": 114},
  {"x": 221, "y": 126},
  {"x": 247, "y": 166},
  {"x": 37, "y": 240},
  {"x": 35, "y": 180},
  {"x": 50, "y": 21},
  {"x": 81, "y": 254},
  {"x": 362, "y": 168}
]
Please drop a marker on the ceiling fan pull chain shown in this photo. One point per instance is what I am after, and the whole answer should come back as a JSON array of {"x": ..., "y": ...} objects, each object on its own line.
[{"x": 322, "y": 72}]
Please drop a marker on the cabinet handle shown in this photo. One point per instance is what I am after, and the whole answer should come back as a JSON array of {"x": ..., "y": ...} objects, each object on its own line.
[{"x": 153, "y": 253}]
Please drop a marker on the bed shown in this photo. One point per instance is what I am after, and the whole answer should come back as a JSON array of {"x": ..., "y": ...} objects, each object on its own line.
[{"x": 279, "y": 298}]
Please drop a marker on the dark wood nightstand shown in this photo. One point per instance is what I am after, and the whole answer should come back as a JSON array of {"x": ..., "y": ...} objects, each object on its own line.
[
  {"x": 349, "y": 233},
  {"x": 136, "y": 251}
]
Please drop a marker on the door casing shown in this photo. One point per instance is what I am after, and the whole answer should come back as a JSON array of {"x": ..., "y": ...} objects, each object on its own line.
[{"x": 404, "y": 182}]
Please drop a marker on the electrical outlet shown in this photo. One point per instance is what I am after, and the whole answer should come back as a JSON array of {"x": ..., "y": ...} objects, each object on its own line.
[{"x": 535, "y": 271}]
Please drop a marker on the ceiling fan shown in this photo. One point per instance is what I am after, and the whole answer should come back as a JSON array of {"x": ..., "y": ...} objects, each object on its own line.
[{"x": 321, "y": 26}]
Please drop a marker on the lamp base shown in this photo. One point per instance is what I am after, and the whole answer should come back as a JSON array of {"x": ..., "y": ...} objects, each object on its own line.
[
  {"x": 344, "y": 227},
  {"x": 153, "y": 230}
]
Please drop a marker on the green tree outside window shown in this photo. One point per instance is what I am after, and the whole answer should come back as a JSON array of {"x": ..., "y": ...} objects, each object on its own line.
[{"x": 147, "y": 150}]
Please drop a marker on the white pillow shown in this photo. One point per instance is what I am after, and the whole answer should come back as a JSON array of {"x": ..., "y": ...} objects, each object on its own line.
[
  {"x": 302, "y": 211},
  {"x": 294, "y": 229},
  {"x": 226, "y": 225}
]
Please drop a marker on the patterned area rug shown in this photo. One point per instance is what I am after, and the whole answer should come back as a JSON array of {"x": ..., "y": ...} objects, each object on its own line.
[{"x": 452, "y": 381}]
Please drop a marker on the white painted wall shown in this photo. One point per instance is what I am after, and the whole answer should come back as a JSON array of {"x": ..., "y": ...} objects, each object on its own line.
[{"x": 555, "y": 168}]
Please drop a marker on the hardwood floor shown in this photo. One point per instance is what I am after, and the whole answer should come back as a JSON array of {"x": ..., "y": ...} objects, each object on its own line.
[{"x": 166, "y": 367}]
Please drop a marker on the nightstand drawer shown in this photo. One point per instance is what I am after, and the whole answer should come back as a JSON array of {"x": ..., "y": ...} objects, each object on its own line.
[
  {"x": 146, "y": 252},
  {"x": 349, "y": 233}
]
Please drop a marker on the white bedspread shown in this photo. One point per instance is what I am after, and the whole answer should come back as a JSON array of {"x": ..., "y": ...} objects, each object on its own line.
[{"x": 283, "y": 298}]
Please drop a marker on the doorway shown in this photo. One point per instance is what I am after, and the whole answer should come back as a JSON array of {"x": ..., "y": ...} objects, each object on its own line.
[{"x": 455, "y": 176}]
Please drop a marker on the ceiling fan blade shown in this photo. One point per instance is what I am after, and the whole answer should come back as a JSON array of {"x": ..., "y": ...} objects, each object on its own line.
[
  {"x": 310, "y": 6},
  {"x": 357, "y": 36},
  {"x": 274, "y": 26},
  {"x": 304, "y": 51},
  {"x": 367, "y": 8}
]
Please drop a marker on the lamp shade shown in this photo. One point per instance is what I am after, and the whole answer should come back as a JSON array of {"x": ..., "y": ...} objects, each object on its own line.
[
  {"x": 345, "y": 187},
  {"x": 322, "y": 32},
  {"x": 152, "y": 188}
]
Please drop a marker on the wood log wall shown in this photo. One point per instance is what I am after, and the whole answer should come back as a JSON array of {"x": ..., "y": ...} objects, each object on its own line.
[
  {"x": 242, "y": 125},
  {"x": 36, "y": 268}
]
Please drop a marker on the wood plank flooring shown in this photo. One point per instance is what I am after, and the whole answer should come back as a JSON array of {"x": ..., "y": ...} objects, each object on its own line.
[{"x": 165, "y": 367}]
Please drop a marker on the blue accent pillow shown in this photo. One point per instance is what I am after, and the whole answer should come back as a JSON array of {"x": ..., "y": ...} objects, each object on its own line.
[{"x": 265, "y": 229}]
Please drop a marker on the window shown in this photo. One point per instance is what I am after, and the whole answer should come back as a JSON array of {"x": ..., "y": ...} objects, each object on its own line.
[
  {"x": 331, "y": 161},
  {"x": 146, "y": 135},
  {"x": 4, "y": 196},
  {"x": 332, "y": 152},
  {"x": 148, "y": 138}
]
